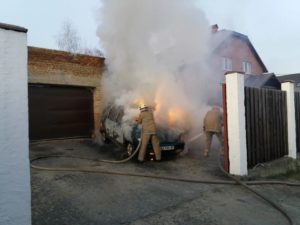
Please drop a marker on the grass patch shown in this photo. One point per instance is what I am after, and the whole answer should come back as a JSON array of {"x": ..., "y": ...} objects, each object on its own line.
[{"x": 292, "y": 175}]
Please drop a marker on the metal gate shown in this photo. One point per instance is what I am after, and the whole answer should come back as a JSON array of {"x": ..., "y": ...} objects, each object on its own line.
[
  {"x": 59, "y": 112},
  {"x": 297, "y": 110},
  {"x": 266, "y": 125}
]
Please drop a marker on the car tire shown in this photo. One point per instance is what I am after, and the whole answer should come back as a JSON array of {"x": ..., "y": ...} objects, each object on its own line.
[{"x": 129, "y": 149}]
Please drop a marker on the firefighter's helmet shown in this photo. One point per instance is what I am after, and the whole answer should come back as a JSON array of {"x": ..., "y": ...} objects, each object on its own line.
[{"x": 143, "y": 107}]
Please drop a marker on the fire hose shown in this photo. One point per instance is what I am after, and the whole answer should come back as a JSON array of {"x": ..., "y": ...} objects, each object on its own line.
[{"x": 235, "y": 181}]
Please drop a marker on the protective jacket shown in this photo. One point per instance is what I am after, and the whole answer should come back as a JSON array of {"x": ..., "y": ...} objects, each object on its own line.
[
  {"x": 213, "y": 121},
  {"x": 146, "y": 118}
]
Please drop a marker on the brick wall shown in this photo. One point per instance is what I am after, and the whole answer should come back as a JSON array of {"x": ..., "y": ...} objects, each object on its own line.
[
  {"x": 47, "y": 66},
  {"x": 237, "y": 50}
]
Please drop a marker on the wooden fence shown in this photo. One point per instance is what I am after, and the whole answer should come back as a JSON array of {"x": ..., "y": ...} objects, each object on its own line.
[
  {"x": 297, "y": 109},
  {"x": 266, "y": 125}
]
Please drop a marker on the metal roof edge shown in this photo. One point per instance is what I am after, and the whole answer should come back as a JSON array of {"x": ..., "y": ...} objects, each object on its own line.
[{"x": 13, "y": 27}]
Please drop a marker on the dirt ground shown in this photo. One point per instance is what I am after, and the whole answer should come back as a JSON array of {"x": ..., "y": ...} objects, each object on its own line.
[{"x": 74, "y": 198}]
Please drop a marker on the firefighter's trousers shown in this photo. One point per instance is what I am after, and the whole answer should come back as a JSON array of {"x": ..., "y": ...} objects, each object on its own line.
[
  {"x": 155, "y": 145},
  {"x": 209, "y": 136}
]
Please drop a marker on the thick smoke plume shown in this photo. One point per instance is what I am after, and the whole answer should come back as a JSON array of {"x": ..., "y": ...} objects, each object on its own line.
[{"x": 156, "y": 53}]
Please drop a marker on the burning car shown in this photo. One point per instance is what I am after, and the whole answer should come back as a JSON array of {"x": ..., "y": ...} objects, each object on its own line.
[{"x": 127, "y": 133}]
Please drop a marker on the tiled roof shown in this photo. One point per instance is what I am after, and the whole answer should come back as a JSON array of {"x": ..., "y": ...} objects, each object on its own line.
[
  {"x": 259, "y": 81},
  {"x": 294, "y": 77}
]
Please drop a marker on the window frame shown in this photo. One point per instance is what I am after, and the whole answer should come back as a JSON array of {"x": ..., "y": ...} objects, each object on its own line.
[
  {"x": 226, "y": 63},
  {"x": 247, "y": 68}
]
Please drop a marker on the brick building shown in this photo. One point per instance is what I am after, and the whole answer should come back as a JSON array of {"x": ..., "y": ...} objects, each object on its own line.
[
  {"x": 64, "y": 94},
  {"x": 233, "y": 51}
]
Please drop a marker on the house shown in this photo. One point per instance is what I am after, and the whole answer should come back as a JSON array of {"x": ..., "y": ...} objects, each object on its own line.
[
  {"x": 233, "y": 51},
  {"x": 293, "y": 77},
  {"x": 64, "y": 94}
]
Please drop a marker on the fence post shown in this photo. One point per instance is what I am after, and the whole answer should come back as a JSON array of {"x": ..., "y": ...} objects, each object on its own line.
[
  {"x": 235, "y": 94},
  {"x": 289, "y": 88},
  {"x": 226, "y": 158}
]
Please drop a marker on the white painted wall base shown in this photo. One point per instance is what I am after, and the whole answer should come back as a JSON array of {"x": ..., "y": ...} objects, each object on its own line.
[
  {"x": 15, "y": 194},
  {"x": 236, "y": 124}
]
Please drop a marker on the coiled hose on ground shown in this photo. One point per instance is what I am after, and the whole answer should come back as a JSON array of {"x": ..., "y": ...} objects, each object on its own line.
[{"x": 234, "y": 182}]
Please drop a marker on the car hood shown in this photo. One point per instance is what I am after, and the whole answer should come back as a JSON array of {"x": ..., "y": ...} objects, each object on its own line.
[{"x": 169, "y": 134}]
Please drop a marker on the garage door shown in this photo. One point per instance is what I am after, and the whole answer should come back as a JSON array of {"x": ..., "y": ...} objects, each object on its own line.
[{"x": 60, "y": 112}]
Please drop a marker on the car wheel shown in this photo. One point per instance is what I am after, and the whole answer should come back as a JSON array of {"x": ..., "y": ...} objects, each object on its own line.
[{"x": 129, "y": 149}]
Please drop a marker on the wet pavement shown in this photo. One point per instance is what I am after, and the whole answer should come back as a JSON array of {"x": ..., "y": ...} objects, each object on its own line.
[{"x": 61, "y": 198}]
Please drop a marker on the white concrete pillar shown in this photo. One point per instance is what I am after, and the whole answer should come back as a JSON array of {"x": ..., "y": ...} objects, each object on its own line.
[
  {"x": 236, "y": 124},
  {"x": 289, "y": 88},
  {"x": 15, "y": 194}
]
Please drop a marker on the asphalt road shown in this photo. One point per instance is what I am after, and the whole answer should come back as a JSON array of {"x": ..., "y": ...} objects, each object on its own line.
[{"x": 74, "y": 198}]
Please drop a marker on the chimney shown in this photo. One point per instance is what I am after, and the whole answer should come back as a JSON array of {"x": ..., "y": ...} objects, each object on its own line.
[{"x": 214, "y": 28}]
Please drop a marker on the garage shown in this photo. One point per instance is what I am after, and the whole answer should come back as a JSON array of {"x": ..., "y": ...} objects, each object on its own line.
[
  {"x": 65, "y": 94},
  {"x": 60, "y": 111}
]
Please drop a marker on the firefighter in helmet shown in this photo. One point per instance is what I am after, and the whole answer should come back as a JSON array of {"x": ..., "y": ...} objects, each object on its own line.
[
  {"x": 146, "y": 119},
  {"x": 212, "y": 125}
]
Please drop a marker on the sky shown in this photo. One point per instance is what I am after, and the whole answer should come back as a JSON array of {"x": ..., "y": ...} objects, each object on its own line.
[{"x": 271, "y": 25}]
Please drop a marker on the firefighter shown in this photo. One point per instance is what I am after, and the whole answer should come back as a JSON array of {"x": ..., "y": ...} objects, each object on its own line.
[
  {"x": 212, "y": 125},
  {"x": 146, "y": 119}
]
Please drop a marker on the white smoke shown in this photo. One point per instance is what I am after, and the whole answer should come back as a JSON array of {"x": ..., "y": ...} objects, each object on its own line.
[{"x": 156, "y": 52}]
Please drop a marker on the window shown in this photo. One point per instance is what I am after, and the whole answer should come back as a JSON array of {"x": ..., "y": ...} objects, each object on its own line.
[
  {"x": 120, "y": 114},
  {"x": 113, "y": 113},
  {"x": 247, "y": 67},
  {"x": 227, "y": 64}
]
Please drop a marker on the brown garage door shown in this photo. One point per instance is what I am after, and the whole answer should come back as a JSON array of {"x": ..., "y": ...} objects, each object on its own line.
[{"x": 59, "y": 112}]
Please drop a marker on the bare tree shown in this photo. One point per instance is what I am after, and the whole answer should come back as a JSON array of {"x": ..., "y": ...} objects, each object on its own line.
[
  {"x": 92, "y": 51},
  {"x": 68, "y": 38}
]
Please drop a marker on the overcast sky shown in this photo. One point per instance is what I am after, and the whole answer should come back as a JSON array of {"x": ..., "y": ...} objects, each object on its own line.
[{"x": 273, "y": 26}]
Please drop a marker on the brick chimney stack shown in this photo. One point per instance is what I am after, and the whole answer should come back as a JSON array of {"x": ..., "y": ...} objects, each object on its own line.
[{"x": 214, "y": 28}]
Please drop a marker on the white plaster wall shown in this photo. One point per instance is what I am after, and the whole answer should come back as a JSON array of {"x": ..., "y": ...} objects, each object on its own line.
[
  {"x": 289, "y": 87},
  {"x": 236, "y": 124},
  {"x": 15, "y": 194}
]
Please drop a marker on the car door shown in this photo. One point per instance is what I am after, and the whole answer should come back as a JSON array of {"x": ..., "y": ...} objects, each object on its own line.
[
  {"x": 110, "y": 123},
  {"x": 118, "y": 128},
  {"x": 113, "y": 126}
]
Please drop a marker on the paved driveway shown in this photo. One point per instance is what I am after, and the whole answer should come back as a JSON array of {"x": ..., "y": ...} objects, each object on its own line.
[{"x": 74, "y": 198}]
